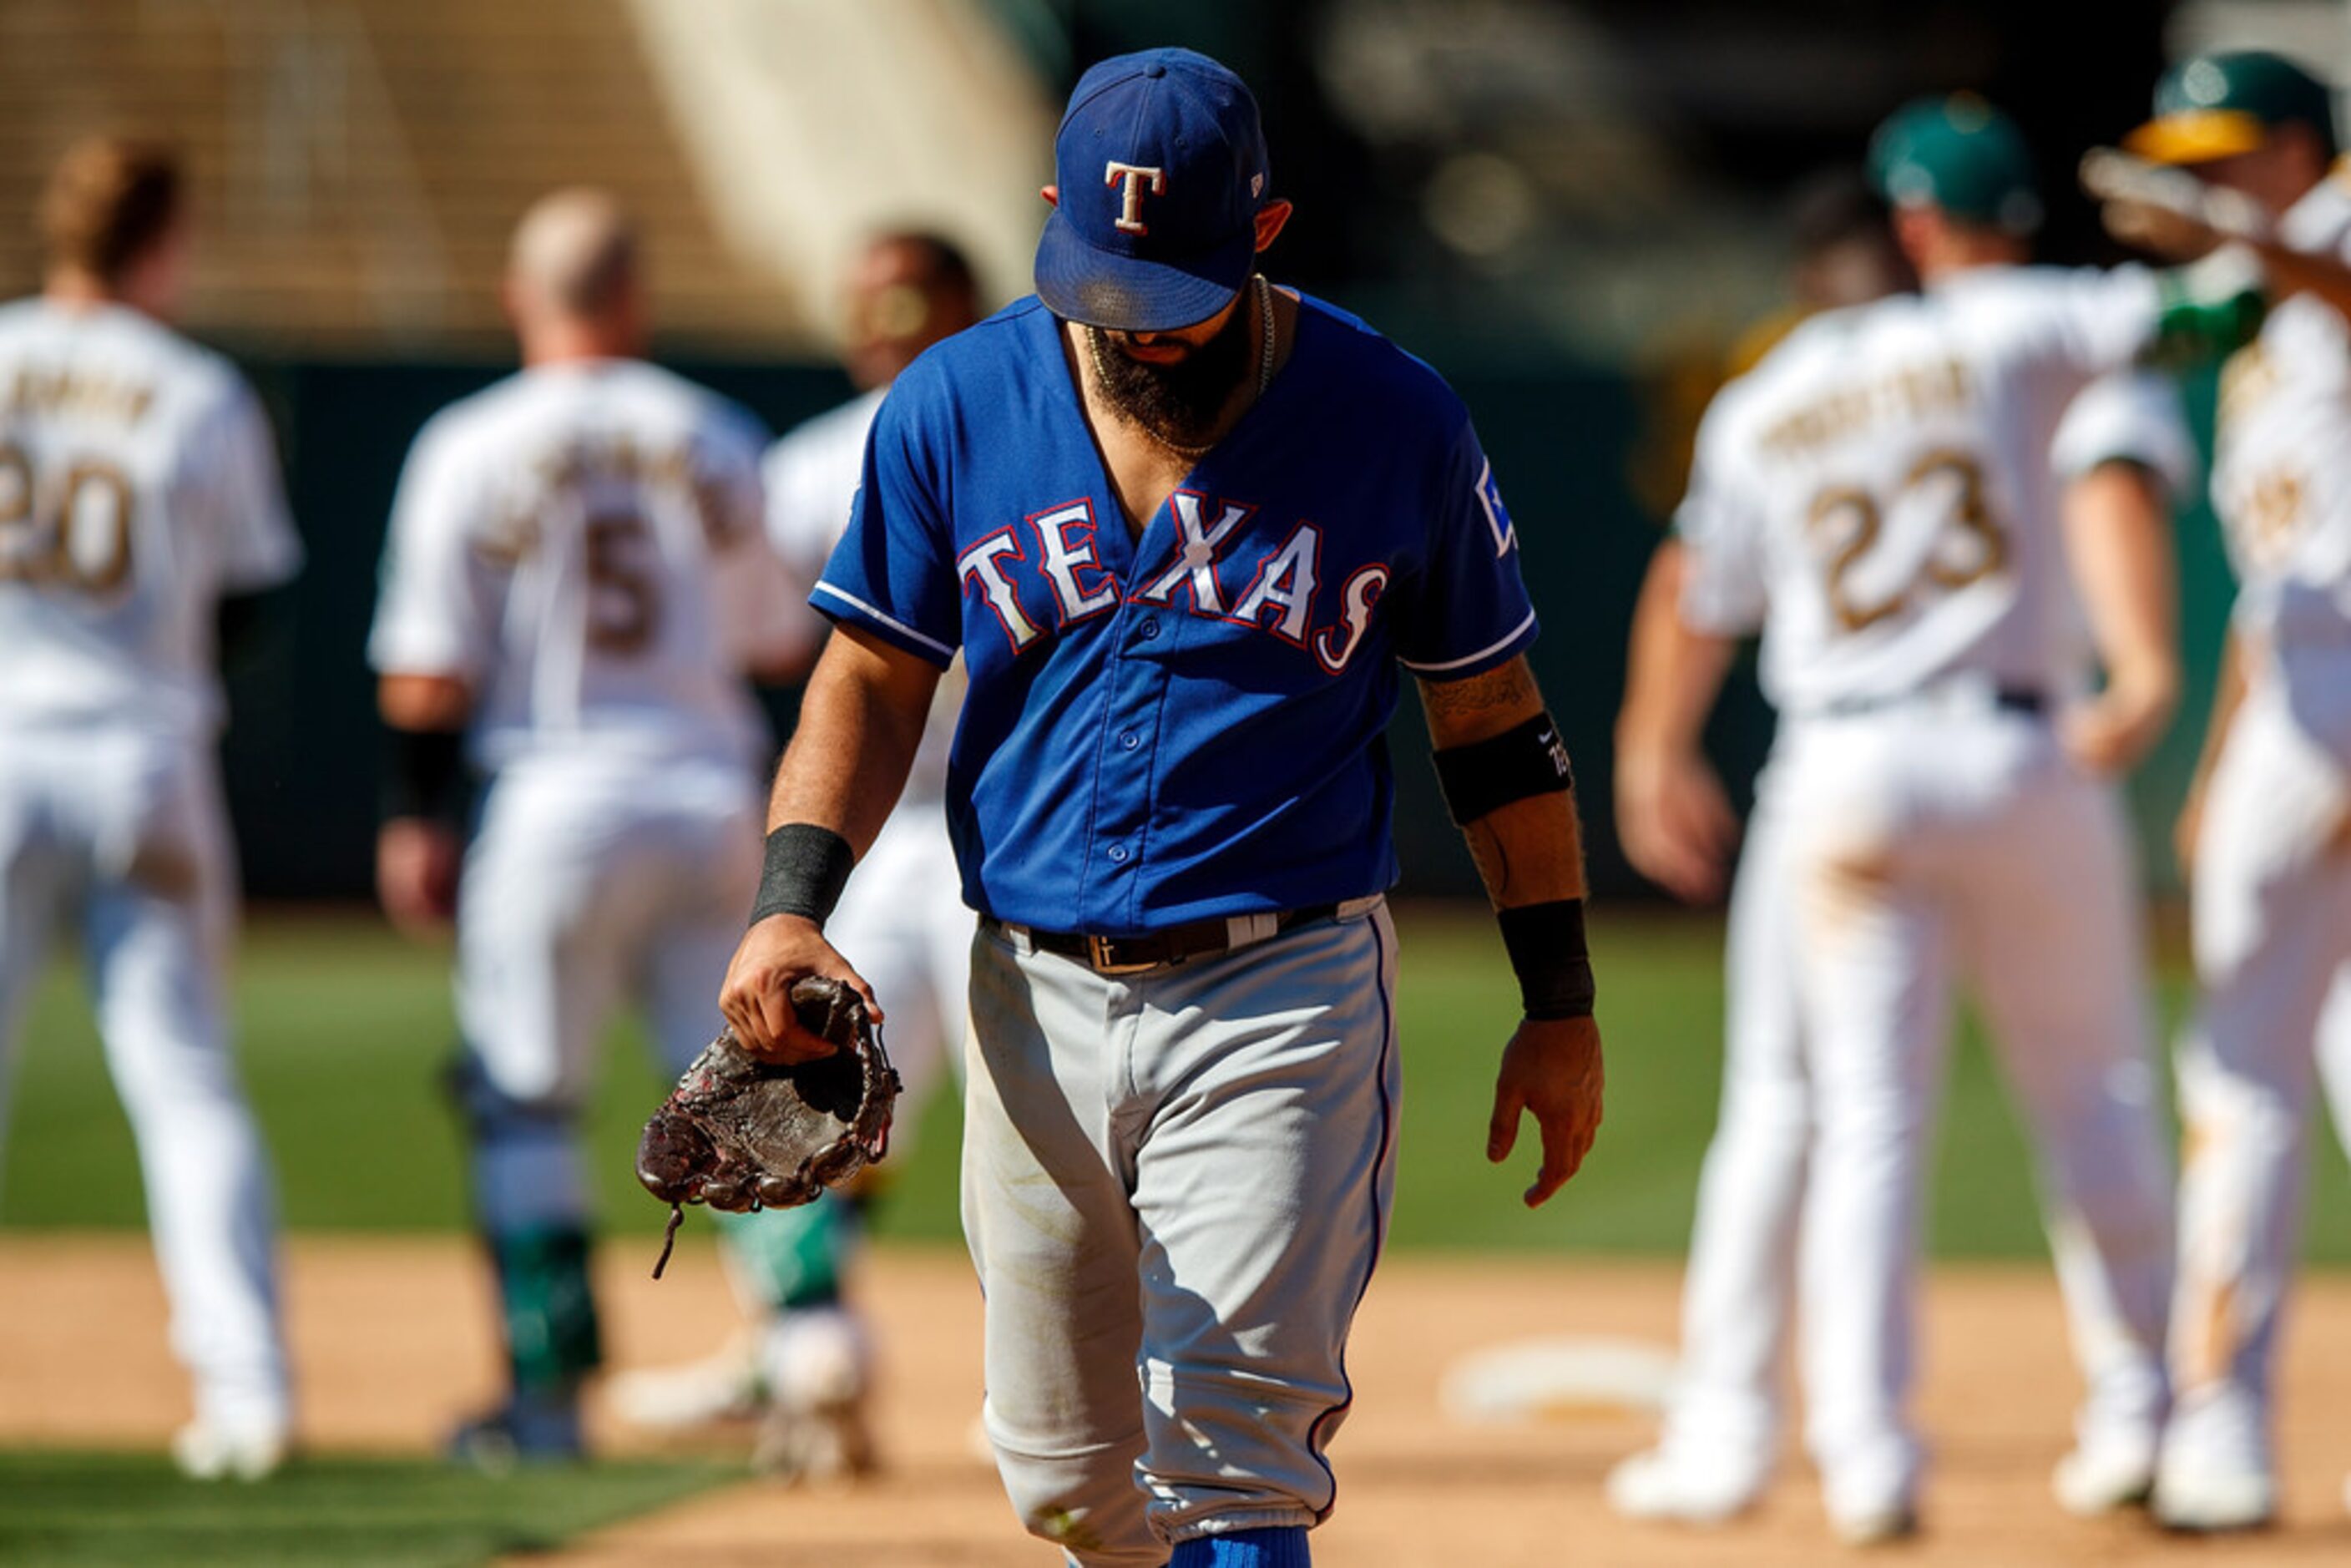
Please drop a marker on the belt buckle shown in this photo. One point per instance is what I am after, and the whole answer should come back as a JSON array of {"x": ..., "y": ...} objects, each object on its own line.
[{"x": 1101, "y": 956}]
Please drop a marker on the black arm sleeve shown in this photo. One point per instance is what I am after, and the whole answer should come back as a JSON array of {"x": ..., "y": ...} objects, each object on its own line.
[
  {"x": 426, "y": 776},
  {"x": 243, "y": 623}
]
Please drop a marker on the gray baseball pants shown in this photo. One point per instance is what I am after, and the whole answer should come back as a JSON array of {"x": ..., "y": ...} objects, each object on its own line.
[{"x": 1175, "y": 1184}]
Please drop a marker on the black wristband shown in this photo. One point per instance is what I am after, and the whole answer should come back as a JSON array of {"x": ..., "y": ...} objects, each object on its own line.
[
  {"x": 807, "y": 867},
  {"x": 1485, "y": 776},
  {"x": 427, "y": 775},
  {"x": 1547, "y": 950}
]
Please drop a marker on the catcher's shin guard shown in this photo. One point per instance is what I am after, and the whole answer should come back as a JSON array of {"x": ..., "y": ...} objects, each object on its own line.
[
  {"x": 787, "y": 1258},
  {"x": 552, "y": 1338}
]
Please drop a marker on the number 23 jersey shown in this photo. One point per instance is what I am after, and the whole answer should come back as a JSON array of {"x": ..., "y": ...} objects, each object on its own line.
[
  {"x": 138, "y": 487},
  {"x": 1188, "y": 721},
  {"x": 1879, "y": 495},
  {"x": 582, "y": 545}
]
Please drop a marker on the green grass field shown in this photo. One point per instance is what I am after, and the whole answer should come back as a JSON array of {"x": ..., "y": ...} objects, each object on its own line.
[
  {"x": 131, "y": 1508},
  {"x": 345, "y": 1030}
]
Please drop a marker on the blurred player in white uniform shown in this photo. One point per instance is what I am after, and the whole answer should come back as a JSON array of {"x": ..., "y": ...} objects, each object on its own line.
[
  {"x": 2123, "y": 452},
  {"x": 2267, "y": 831},
  {"x": 139, "y": 505},
  {"x": 1879, "y": 497},
  {"x": 575, "y": 585},
  {"x": 807, "y": 1361}
]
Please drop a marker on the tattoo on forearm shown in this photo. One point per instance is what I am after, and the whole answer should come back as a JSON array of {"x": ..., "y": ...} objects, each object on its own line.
[
  {"x": 1544, "y": 830},
  {"x": 1492, "y": 858},
  {"x": 1509, "y": 687}
]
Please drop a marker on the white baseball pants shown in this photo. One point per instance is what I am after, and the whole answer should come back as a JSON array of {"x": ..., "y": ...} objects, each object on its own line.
[
  {"x": 1175, "y": 1184},
  {"x": 589, "y": 884},
  {"x": 2271, "y": 914},
  {"x": 127, "y": 832},
  {"x": 1741, "y": 1285},
  {"x": 1937, "y": 840}
]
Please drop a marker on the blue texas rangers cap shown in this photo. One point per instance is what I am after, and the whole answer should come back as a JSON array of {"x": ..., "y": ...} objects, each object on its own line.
[{"x": 1160, "y": 164}]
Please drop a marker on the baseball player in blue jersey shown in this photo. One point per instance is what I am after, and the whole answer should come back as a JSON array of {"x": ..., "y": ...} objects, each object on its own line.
[{"x": 1183, "y": 526}]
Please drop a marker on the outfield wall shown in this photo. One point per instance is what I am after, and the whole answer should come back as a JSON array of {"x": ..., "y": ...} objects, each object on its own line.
[{"x": 302, "y": 752}]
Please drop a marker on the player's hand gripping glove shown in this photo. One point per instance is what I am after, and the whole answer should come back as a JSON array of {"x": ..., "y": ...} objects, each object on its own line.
[{"x": 740, "y": 1134}]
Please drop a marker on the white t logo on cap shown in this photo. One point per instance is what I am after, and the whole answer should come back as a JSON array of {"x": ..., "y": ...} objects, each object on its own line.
[{"x": 1130, "y": 203}]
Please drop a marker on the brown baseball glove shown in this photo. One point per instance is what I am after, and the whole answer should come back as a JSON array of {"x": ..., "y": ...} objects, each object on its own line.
[{"x": 740, "y": 1134}]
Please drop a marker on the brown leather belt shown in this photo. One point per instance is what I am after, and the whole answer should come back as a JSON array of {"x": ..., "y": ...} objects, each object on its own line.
[{"x": 1172, "y": 945}]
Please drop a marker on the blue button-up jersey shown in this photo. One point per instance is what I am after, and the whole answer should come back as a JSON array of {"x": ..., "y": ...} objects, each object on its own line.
[{"x": 1189, "y": 722}]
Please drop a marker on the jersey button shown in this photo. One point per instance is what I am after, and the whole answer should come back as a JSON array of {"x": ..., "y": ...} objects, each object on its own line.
[
  {"x": 1149, "y": 629},
  {"x": 1118, "y": 854},
  {"x": 1129, "y": 740}
]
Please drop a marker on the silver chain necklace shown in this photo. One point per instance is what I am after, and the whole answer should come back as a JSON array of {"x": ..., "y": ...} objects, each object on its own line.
[{"x": 1264, "y": 369}]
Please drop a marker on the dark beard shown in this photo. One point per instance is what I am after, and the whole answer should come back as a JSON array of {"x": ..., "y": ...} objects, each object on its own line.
[{"x": 1180, "y": 403}]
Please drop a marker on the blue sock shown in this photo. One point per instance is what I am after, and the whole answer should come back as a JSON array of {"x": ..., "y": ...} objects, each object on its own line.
[{"x": 1284, "y": 1547}]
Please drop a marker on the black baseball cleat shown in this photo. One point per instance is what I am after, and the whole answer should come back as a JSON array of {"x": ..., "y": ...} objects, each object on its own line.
[{"x": 525, "y": 1430}]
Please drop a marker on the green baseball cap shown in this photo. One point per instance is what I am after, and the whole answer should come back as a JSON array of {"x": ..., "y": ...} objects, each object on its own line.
[
  {"x": 1960, "y": 154},
  {"x": 2217, "y": 106}
]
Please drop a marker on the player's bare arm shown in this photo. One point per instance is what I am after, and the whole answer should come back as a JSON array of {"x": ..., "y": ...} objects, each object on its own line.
[
  {"x": 2292, "y": 272},
  {"x": 2118, "y": 540},
  {"x": 1672, "y": 816},
  {"x": 860, "y": 726},
  {"x": 2169, "y": 214},
  {"x": 1529, "y": 853},
  {"x": 2185, "y": 212},
  {"x": 420, "y": 848}
]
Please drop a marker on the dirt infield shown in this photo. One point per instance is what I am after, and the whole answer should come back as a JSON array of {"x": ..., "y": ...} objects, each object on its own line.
[{"x": 392, "y": 1337}]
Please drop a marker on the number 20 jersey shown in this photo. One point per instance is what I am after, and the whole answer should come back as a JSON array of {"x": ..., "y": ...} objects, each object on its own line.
[
  {"x": 138, "y": 486},
  {"x": 1878, "y": 496},
  {"x": 582, "y": 544}
]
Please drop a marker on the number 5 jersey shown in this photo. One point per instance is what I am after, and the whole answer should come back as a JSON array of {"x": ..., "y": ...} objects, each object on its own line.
[{"x": 582, "y": 545}]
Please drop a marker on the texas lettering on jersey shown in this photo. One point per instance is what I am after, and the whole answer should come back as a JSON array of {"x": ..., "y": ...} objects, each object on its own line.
[
  {"x": 1189, "y": 719},
  {"x": 1051, "y": 554}
]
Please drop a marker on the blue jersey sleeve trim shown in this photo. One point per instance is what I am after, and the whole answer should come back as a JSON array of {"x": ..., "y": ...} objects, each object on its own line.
[
  {"x": 895, "y": 631},
  {"x": 1484, "y": 658}
]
